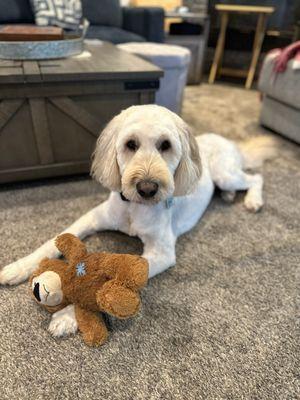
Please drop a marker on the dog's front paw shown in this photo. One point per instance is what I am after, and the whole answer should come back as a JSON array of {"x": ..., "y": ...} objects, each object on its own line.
[
  {"x": 63, "y": 322},
  {"x": 16, "y": 272}
]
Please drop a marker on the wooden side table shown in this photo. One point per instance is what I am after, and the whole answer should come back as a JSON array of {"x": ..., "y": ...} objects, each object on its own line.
[{"x": 225, "y": 10}]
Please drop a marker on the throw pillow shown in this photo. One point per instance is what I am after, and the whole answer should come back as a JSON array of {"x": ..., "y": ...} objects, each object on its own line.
[{"x": 63, "y": 13}]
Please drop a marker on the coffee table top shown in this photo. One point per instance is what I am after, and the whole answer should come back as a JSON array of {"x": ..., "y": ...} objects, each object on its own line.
[{"x": 106, "y": 62}]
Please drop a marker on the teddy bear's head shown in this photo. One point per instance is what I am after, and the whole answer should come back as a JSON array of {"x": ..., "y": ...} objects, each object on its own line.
[
  {"x": 50, "y": 282},
  {"x": 47, "y": 286}
]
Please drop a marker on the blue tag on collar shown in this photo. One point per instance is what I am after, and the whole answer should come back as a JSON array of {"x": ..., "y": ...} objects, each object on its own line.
[{"x": 169, "y": 202}]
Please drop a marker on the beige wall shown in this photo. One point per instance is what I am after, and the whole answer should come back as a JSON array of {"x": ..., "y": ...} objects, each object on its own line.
[{"x": 167, "y": 4}]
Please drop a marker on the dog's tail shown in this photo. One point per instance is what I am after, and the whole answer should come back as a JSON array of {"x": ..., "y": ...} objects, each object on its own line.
[{"x": 256, "y": 150}]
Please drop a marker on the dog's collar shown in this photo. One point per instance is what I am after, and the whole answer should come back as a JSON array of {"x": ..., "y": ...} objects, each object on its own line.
[
  {"x": 169, "y": 202},
  {"x": 123, "y": 197}
]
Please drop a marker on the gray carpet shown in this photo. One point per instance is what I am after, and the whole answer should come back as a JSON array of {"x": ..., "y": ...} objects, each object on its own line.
[{"x": 222, "y": 324}]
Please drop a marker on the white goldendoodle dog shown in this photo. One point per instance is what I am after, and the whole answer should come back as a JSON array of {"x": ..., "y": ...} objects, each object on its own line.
[{"x": 161, "y": 179}]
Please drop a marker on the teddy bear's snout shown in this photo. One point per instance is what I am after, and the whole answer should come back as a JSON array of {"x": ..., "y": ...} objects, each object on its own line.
[
  {"x": 36, "y": 291},
  {"x": 46, "y": 288}
]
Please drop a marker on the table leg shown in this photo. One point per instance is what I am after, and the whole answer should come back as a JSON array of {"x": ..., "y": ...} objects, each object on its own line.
[
  {"x": 258, "y": 41},
  {"x": 219, "y": 49}
]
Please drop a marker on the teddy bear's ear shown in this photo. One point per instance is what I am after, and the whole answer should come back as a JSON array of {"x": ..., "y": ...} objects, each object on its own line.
[
  {"x": 43, "y": 266},
  {"x": 71, "y": 247}
]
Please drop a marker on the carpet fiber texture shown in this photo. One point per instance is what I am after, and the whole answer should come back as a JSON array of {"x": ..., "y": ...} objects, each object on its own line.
[{"x": 222, "y": 324}]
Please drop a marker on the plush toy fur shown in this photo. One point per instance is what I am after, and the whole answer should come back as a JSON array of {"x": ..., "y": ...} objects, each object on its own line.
[{"x": 91, "y": 282}]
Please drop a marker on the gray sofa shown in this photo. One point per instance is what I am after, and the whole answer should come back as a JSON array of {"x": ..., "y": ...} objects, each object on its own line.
[
  {"x": 281, "y": 100},
  {"x": 108, "y": 20}
]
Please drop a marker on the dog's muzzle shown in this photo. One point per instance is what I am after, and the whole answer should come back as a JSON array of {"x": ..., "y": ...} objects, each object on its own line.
[{"x": 147, "y": 189}]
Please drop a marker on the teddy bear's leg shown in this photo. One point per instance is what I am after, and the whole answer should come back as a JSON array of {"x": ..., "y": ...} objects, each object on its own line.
[
  {"x": 92, "y": 327},
  {"x": 118, "y": 300}
]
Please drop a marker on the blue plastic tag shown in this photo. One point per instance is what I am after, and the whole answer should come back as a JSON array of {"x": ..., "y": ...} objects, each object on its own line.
[{"x": 169, "y": 202}]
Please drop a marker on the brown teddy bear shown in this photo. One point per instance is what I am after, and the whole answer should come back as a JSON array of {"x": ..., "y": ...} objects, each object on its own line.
[{"x": 91, "y": 282}]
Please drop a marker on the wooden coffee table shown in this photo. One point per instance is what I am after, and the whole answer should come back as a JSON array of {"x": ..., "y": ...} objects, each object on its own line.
[{"x": 51, "y": 112}]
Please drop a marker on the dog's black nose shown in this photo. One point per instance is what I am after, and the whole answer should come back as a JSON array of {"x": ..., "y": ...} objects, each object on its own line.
[
  {"x": 36, "y": 291},
  {"x": 147, "y": 189}
]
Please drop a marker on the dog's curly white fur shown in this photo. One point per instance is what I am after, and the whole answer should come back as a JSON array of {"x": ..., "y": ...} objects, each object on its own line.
[{"x": 150, "y": 143}]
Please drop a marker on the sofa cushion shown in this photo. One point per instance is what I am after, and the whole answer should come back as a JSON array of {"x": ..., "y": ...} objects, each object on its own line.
[
  {"x": 16, "y": 11},
  {"x": 103, "y": 12},
  {"x": 112, "y": 34},
  {"x": 281, "y": 118},
  {"x": 284, "y": 86}
]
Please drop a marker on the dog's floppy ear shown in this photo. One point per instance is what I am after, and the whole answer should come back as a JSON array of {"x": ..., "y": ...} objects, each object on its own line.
[
  {"x": 71, "y": 247},
  {"x": 105, "y": 167},
  {"x": 189, "y": 169}
]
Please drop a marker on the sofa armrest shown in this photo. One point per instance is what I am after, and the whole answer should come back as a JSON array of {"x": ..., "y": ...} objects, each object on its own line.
[{"x": 145, "y": 21}]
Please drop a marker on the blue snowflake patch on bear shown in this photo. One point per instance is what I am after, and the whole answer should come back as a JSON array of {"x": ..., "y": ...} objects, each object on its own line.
[{"x": 80, "y": 269}]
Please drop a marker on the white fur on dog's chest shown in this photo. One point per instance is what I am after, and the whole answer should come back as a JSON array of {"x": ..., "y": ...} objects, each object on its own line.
[
  {"x": 133, "y": 221},
  {"x": 144, "y": 220},
  {"x": 139, "y": 220}
]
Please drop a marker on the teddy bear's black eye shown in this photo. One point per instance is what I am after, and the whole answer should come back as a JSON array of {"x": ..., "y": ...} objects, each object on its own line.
[
  {"x": 132, "y": 145},
  {"x": 166, "y": 145}
]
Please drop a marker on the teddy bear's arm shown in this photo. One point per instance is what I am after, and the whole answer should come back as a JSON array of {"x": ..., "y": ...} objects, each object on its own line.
[
  {"x": 92, "y": 326},
  {"x": 71, "y": 247},
  {"x": 117, "y": 300}
]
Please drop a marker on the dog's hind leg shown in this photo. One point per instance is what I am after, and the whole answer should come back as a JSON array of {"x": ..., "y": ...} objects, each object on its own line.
[
  {"x": 229, "y": 182},
  {"x": 254, "y": 198},
  {"x": 228, "y": 196}
]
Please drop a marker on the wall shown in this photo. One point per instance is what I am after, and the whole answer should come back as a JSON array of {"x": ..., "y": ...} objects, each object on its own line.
[{"x": 166, "y": 4}]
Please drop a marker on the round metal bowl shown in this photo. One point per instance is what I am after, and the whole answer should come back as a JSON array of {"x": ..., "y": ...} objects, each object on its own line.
[
  {"x": 71, "y": 45},
  {"x": 43, "y": 50}
]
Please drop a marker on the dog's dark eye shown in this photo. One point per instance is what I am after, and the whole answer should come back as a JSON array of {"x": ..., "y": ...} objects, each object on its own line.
[
  {"x": 132, "y": 145},
  {"x": 166, "y": 145}
]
